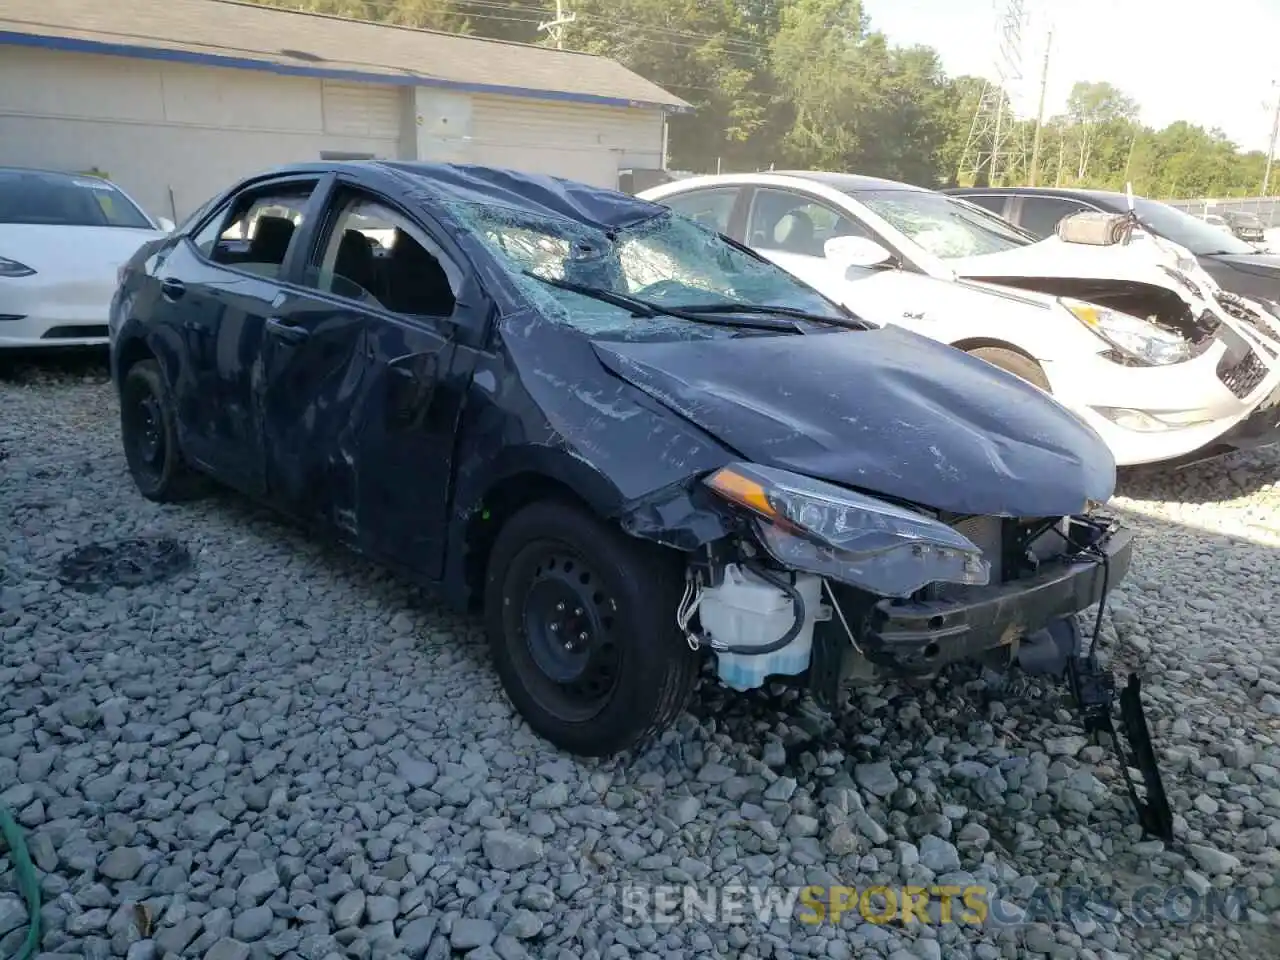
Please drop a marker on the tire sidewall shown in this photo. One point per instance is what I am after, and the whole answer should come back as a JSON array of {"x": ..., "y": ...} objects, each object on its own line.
[
  {"x": 141, "y": 379},
  {"x": 645, "y": 624},
  {"x": 1022, "y": 367}
]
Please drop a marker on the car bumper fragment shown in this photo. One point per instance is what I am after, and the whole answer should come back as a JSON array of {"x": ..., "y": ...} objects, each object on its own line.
[{"x": 918, "y": 638}]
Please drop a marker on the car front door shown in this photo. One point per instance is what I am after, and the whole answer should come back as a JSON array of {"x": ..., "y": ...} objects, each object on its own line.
[
  {"x": 363, "y": 379},
  {"x": 216, "y": 291}
]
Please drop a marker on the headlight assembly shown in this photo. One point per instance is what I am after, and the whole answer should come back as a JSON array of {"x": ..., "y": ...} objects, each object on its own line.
[
  {"x": 820, "y": 528},
  {"x": 1137, "y": 338}
]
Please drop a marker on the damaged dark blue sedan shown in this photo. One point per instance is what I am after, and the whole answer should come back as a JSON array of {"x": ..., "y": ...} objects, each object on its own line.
[{"x": 632, "y": 442}]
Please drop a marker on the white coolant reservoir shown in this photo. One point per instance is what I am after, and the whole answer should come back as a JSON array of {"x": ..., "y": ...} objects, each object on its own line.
[{"x": 746, "y": 610}]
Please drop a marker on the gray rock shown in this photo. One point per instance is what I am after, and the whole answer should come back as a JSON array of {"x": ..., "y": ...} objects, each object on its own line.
[
  {"x": 1212, "y": 860},
  {"x": 349, "y": 909},
  {"x": 876, "y": 778},
  {"x": 122, "y": 863},
  {"x": 507, "y": 850},
  {"x": 228, "y": 950},
  {"x": 468, "y": 933},
  {"x": 252, "y": 924},
  {"x": 939, "y": 855}
]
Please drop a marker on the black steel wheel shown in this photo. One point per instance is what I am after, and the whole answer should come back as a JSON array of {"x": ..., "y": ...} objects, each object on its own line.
[
  {"x": 148, "y": 431},
  {"x": 568, "y": 624},
  {"x": 581, "y": 621}
]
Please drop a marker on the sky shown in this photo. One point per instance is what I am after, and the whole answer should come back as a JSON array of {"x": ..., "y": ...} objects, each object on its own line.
[{"x": 1212, "y": 69}]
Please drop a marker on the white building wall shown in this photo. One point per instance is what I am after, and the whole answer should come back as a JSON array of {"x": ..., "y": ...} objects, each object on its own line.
[
  {"x": 157, "y": 127},
  {"x": 580, "y": 141},
  {"x": 175, "y": 134}
]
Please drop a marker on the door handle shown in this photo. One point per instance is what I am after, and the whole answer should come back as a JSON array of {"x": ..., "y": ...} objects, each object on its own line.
[
  {"x": 287, "y": 331},
  {"x": 172, "y": 288}
]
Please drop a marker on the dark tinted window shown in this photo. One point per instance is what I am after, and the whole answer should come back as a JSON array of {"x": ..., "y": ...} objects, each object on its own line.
[
  {"x": 254, "y": 231},
  {"x": 711, "y": 208},
  {"x": 986, "y": 201},
  {"x": 1200, "y": 238},
  {"x": 374, "y": 255},
  {"x": 35, "y": 197},
  {"x": 1040, "y": 215}
]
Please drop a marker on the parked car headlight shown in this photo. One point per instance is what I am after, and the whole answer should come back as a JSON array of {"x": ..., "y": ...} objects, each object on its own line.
[
  {"x": 12, "y": 268},
  {"x": 1138, "y": 338},
  {"x": 809, "y": 525}
]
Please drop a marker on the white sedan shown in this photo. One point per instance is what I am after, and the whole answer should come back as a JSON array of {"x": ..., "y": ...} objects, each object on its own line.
[
  {"x": 1197, "y": 385},
  {"x": 63, "y": 239}
]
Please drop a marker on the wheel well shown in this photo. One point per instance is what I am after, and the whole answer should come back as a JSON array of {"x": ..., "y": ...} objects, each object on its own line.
[
  {"x": 500, "y": 505},
  {"x": 975, "y": 343},
  {"x": 133, "y": 351}
]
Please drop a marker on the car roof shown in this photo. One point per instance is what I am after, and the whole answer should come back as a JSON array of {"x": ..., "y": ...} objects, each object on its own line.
[
  {"x": 536, "y": 194},
  {"x": 47, "y": 172},
  {"x": 1104, "y": 198},
  {"x": 848, "y": 182}
]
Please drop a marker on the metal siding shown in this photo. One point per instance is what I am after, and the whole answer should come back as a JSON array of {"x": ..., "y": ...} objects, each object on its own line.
[
  {"x": 361, "y": 110},
  {"x": 581, "y": 142},
  {"x": 160, "y": 127}
]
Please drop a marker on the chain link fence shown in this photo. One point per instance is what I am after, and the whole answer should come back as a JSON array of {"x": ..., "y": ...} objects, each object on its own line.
[{"x": 1266, "y": 209}]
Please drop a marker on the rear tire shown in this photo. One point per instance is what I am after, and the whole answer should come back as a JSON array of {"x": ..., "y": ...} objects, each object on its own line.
[
  {"x": 149, "y": 433},
  {"x": 581, "y": 621},
  {"x": 1015, "y": 363}
]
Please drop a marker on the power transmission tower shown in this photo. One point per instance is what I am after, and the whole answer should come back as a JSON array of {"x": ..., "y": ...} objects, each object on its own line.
[
  {"x": 1275, "y": 135},
  {"x": 988, "y": 143},
  {"x": 555, "y": 28},
  {"x": 1044, "y": 85}
]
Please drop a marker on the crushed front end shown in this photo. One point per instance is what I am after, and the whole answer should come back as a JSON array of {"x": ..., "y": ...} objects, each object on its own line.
[{"x": 832, "y": 589}]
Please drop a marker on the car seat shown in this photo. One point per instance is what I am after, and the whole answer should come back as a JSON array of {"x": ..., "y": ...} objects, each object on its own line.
[
  {"x": 354, "y": 262},
  {"x": 794, "y": 233},
  {"x": 270, "y": 241},
  {"x": 416, "y": 283}
]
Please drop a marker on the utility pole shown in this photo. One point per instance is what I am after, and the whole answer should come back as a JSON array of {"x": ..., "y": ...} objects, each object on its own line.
[
  {"x": 1271, "y": 149},
  {"x": 1044, "y": 83},
  {"x": 555, "y": 28}
]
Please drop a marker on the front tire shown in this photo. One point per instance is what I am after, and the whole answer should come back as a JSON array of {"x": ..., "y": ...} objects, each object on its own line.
[
  {"x": 1015, "y": 363},
  {"x": 148, "y": 430},
  {"x": 581, "y": 621}
]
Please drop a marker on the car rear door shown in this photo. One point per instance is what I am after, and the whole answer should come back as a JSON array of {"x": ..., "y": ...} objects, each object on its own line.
[
  {"x": 363, "y": 378},
  {"x": 215, "y": 293}
]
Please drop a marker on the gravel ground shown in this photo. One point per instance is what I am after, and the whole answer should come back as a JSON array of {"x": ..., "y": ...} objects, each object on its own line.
[{"x": 286, "y": 753}]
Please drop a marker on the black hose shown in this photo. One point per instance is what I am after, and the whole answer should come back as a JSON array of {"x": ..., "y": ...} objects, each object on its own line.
[{"x": 797, "y": 604}]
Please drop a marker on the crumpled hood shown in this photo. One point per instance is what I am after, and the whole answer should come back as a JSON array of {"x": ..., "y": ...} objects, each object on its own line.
[{"x": 886, "y": 411}]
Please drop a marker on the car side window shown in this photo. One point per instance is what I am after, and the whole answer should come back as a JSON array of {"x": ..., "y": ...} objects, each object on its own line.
[
  {"x": 793, "y": 223},
  {"x": 711, "y": 208},
  {"x": 253, "y": 231},
  {"x": 992, "y": 203},
  {"x": 374, "y": 255},
  {"x": 1040, "y": 215}
]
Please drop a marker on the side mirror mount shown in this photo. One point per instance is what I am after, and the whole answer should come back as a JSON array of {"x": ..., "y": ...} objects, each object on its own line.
[
  {"x": 167, "y": 225},
  {"x": 846, "y": 252}
]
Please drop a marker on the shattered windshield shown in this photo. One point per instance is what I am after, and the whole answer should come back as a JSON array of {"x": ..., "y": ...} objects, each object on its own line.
[
  {"x": 941, "y": 225},
  {"x": 667, "y": 260},
  {"x": 1202, "y": 239}
]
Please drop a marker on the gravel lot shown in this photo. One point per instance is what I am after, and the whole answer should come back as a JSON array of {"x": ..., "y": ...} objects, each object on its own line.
[{"x": 286, "y": 753}]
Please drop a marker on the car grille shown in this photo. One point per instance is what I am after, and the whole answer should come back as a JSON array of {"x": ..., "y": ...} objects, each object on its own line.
[{"x": 1244, "y": 377}]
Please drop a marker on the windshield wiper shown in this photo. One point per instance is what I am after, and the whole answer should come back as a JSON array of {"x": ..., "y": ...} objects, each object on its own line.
[
  {"x": 648, "y": 309},
  {"x": 714, "y": 308}
]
